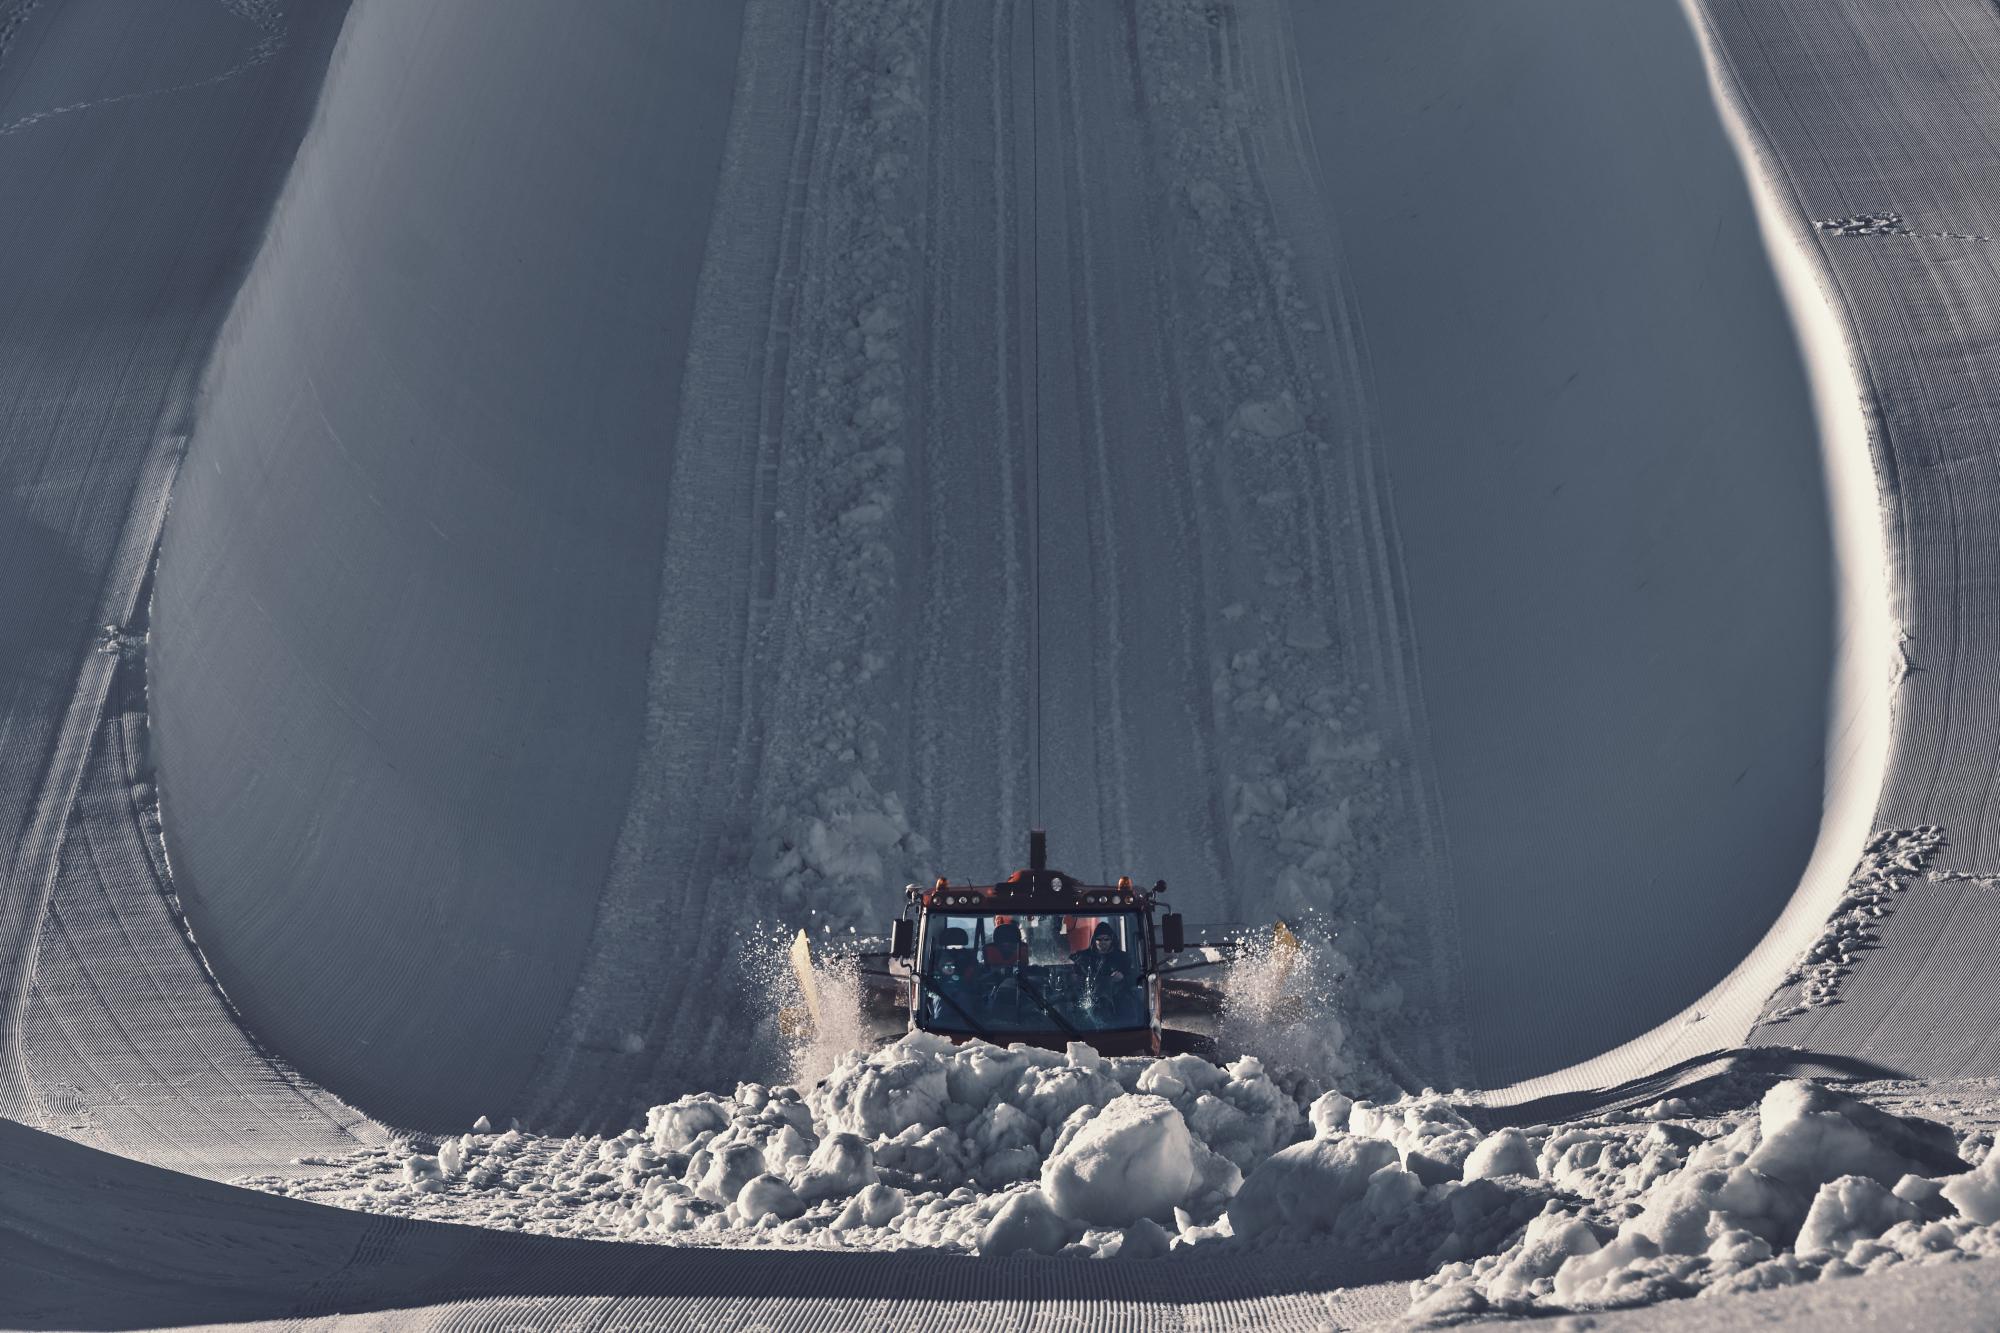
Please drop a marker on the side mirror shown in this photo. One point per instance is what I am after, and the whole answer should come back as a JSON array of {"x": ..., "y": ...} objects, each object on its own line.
[
  {"x": 902, "y": 940},
  {"x": 1172, "y": 933}
]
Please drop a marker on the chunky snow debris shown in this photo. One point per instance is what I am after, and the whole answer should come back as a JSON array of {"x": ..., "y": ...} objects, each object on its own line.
[
  {"x": 1812, "y": 1184},
  {"x": 1888, "y": 864},
  {"x": 829, "y": 833},
  {"x": 979, "y": 1149},
  {"x": 1025, "y": 1222},
  {"x": 1024, "y": 1151},
  {"x": 1975, "y": 1196},
  {"x": 1507, "y": 1153}
]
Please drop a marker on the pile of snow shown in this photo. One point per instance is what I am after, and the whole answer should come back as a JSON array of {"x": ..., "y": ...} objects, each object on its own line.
[
  {"x": 1814, "y": 1184},
  {"x": 981, "y": 1150},
  {"x": 997, "y": 1152}
]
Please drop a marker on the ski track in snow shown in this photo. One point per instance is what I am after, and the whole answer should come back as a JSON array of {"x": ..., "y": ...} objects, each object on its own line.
[
  {"x": 263, "y": 15},
  {"x": 12, "y": 16},
  {"x": 1318, "y": 722},
  {"x": 1211, "y": 625}
]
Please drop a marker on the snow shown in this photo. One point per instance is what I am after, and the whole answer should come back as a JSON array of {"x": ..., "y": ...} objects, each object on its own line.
[
  {"x": 1506, "y": 1152},
  {"x": 1977, "y": 1196},
  {"x": 1851, "y": 1209},
  {"x": 1813, "y": 1183},
  {"x": 1521, "y": 457},
  {"x": 1810, "y": 1135},
  {"x": 1027, "y": 1221},
  {"x": 1891, "y": 860},
  {"x": 1306, "y": 1187},
  {"x": 973, "y": 1147},
  {"x": 446, "y": 487},
  {"x": 1133, "y": 1159}
]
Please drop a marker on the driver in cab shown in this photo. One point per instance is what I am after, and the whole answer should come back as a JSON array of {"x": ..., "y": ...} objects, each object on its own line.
[{"x": 1103, "y": 967}]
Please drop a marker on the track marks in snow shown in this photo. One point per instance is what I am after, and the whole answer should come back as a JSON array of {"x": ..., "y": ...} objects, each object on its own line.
[
  {"x": 1024, "y": 252},
  {"x": 265, "y": 17},
  {"x": 132, "y": 1044},
  {"x": 1889, "y": 224},
  {"x": 831, "y": 833},
  {"x": 761, "y": 794},
  {"x": 969, "y": 741},
  {"x": 1079, "y": 342},
  {"x": 1963, "y": 877},
  {"x": 1891, "y": 861},
  {"x": 1315, "y": 710},
  {"x": 12, "y": 16}
]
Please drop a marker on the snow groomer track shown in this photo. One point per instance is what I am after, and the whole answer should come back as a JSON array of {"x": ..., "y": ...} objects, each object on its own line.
[{"x": 644, "y": 472}]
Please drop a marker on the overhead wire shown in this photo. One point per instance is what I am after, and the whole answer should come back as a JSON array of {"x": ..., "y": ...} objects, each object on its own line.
[{"x": 1035, "y": 411}]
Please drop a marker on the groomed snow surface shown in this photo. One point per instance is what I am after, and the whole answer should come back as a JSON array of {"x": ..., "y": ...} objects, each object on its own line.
[
  {"x": 960, "y": 415},
  {"x": 993, "y": 1152}
]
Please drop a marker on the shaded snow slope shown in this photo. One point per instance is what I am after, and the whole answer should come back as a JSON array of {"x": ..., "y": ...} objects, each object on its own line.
[
  {"x": 141, "y": 150},
  {"x": 406, "y": 596},
  {"x": 1607, "y": 470}
]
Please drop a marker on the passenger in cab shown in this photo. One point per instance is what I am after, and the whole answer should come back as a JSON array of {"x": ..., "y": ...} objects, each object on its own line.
[
  {"x": 1006, "y": 950},
  {"x": 952, "y": 999}
]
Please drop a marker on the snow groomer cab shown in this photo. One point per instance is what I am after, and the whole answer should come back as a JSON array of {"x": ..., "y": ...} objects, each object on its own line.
[{"x": 1039, "y": 958}]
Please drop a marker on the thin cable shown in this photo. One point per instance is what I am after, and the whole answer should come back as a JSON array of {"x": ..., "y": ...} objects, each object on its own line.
[{"x": 1035, "y": 378}]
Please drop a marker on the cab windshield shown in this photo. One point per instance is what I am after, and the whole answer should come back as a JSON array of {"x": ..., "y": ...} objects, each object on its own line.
[{"x": 997, "y": 974}]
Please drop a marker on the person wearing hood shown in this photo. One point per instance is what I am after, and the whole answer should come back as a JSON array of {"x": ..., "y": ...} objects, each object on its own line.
[{"x": 1107, "y": 973}]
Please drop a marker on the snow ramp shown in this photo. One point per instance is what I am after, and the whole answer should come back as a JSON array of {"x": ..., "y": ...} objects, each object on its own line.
[
  {"x": 408, "y": 602},
  {"x": 410, "y": 585}
]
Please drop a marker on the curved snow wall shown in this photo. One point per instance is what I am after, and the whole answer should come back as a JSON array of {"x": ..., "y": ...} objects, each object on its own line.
[
  {"x": 1614, "y": 509},
  {"x": 409, "y": 582}
]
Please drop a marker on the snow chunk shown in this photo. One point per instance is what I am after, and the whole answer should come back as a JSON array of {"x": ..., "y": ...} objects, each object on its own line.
[
  {"x": 1505, "y": 1153},
  {"x": 1132, "y": 1159},
  {"x": 1433, "y": 1137},
  {"x": 896, "y": 1088},
  {"x": 876, "y": 1206},
  {"x": 1977, "y": 1195},
  {"x": 1847, "y": 1210},
  {"x": 1812, "y": 1135},
  {"x": 1271, "y": 418},
  {"x": 842, "y": 1165},
  {"x": 763, "y": 1197},
  {"x": 719, "y": 1177},
  {"x": 677, "y": 1126},
  {"x": 1329, "y": 1114},
  {"x": 1024, "y": 1222},
  {"x": 1304, "y": 1188}
]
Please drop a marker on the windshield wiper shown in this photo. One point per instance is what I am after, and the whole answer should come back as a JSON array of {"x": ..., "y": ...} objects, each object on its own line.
[
  {"x": 1049, "y": 1009},
  {"x": 931, "y": 985}
]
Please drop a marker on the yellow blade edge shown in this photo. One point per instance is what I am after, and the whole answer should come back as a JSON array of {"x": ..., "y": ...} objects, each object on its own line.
[
  {"x": 802, "y": 972},
  {"x": 1285, "y": 949}
]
